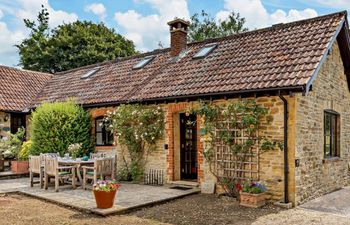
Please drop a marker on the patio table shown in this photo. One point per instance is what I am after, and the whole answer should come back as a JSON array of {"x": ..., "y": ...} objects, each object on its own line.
[{"x": 77, "y": 164}]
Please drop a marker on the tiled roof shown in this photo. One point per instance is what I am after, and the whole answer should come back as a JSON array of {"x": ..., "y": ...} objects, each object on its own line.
[
  {"x": 281, "y": 56},
  {"x": 18, "y": 88}
]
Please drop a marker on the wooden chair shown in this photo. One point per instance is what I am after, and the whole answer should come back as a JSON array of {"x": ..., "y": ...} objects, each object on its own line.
[
  {"x": 102, "y": 167},
  {"x": 53, "y": 170},
  {"x": 36, "y": 167},
  {"x": 98, "y": 155}
]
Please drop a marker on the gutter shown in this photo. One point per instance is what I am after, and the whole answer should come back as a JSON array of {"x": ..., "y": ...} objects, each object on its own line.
[
  {"x": 271, "y": 91},
  {"x": 285, "y": 148}
]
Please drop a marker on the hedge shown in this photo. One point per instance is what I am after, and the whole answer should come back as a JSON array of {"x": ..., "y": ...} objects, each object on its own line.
[{"x": 57, "y": 125}]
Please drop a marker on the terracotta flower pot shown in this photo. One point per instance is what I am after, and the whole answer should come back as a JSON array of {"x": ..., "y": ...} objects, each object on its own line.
[
  {"x": 105, "y": 199},
  {"x": 252, "y": 200},
  {"x": 20, "y": 166}
]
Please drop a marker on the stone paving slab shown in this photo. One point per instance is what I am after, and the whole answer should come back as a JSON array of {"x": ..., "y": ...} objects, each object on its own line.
[
  {"x": 129, "y": 196},
  {"x": 337, "y": 202}
]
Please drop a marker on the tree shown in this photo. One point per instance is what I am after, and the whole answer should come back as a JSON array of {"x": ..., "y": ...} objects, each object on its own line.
[
  {"x": 70, "y": 45},
  {"x": 203, "y": 26}
]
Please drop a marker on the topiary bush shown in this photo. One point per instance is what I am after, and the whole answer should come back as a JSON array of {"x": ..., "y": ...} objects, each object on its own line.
[{"x": 57, "y": 125}]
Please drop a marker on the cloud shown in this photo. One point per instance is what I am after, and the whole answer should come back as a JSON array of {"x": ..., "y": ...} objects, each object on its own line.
[
  {"x": 147, "y": 30},
  {"x": 8, "y": 38},
  {"x": 98, "y": 9},
  {"x": 17, "y": 10},
  {"x": 257, "y": 16},
  {"x": 28, "y": 9},
  {"x": 332, "y": 3}
]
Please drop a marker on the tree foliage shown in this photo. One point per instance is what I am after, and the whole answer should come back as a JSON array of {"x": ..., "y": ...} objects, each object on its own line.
[
  {"x": 55, "y": 126},
  {"x": 69, "y": 45},
  {"x": 138, "y": 128},
  {"x": 203, "y": 26}
]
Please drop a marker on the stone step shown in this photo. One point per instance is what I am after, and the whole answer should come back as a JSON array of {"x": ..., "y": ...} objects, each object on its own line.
[{"x": 184, "y": 183}]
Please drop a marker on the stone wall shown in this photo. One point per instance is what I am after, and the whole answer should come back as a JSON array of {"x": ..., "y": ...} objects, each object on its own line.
[
  {"x": 156, "y": 160},
  {"x": 316, "y": 176},
  {"x": 5, "y": 125},
  {"x": 270, "y": 164}
]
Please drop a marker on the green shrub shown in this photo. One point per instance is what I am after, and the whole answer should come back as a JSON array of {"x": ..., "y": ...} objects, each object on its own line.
[
  {"x": 24, "y": 152},
  {"x": 57, "y": 125},
  {"x": 15, "y": 142}
]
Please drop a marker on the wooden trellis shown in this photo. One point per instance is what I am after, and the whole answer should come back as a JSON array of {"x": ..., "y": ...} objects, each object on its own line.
[{"x": 226, "y": 163}]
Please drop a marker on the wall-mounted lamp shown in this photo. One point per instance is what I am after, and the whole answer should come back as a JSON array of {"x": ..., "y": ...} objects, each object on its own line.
[{"x": 6, "y": 118}]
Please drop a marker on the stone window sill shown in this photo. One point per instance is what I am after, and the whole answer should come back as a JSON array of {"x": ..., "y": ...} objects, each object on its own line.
[
  {"x": 331, "y": 159},
  {"x": 105, "y": 147}
]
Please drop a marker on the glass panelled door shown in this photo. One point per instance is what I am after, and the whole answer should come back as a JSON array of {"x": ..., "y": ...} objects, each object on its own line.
[{"x": 188, "y": 146}]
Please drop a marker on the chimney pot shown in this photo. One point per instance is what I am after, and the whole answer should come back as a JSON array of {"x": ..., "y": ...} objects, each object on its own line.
[{"x": 178, "y": 36}]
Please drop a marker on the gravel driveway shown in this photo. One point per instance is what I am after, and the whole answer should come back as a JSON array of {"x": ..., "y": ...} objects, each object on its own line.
[{"x": 299, "y": 216}]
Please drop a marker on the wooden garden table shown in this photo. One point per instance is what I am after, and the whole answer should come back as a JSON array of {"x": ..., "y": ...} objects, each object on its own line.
[{"x": 77, "y": 164}]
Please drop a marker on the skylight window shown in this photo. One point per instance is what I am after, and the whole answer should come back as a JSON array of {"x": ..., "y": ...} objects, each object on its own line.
[
  {"x": 90, "y": 73},
  {"x": 143, "y": 62},
  {"x": 205, "y": 51}
]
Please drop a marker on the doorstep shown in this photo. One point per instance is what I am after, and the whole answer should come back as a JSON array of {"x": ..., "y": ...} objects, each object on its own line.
[
  {"x": 184, "y": 183},
  {"x": 11, "y": 175}
]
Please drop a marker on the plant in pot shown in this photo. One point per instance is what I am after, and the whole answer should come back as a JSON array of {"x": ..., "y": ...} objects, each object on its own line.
[
  {"x": 105, "y": 192},
  {"x": 74, "y": 149},
  {"x": 21, "y": 164},
  {"x": 252, "y": 194}
]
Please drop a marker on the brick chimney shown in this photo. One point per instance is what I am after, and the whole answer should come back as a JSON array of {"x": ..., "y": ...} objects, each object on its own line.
[{"x": 178, "y": 36}]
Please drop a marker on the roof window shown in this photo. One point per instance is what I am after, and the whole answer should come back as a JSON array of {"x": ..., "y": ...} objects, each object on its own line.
[
  {"x": 205, "y": 51},
  {"x": 90, "y": 73},
  {"x": 143, "y": 62}
]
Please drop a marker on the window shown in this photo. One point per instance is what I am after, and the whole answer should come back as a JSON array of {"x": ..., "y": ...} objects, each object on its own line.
[
  {"x": 18, "y": 121},
  {"x": 205, "y": 51},
  {"x": 90, "y": 73},
  {"x": 331, "y": 134},
  {"x": 102, "y": 137},
  {"x": 143, "y": 62}
]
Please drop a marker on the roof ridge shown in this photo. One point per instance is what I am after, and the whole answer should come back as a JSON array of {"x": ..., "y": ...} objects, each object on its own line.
[
  {"x": 272, "y": 27},
  {"x": 25, "y": 70}
]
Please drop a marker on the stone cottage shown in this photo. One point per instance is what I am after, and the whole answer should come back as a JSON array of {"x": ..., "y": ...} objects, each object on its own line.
[
  {"x": 298, "y": 70},
  {"x": 18, "y": 88}
]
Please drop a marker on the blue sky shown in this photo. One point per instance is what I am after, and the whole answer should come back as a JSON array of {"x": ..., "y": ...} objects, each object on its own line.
[{"x": 144, "y": 21}]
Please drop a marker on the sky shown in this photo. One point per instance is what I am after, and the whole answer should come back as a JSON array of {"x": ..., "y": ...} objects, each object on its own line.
[{"x": 144, "y": 21}]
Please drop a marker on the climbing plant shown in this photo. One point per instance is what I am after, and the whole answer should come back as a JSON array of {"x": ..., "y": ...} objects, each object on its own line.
[
  {"x": 138, "y": 128},
  {"x": 236, "y": 126}
]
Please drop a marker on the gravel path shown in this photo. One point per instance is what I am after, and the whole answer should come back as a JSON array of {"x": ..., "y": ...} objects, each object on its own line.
[
  {"x": 21, "y": 210},
  {"x": 200, "y": 209},
  {"x": 302, "y": 217},
  {"x": 204, "y": 209}
]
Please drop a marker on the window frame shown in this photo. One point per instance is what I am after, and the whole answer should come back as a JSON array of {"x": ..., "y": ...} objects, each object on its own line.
[
  {"x": 104, "y": 133},
  {"x": 334, "y": 135}
]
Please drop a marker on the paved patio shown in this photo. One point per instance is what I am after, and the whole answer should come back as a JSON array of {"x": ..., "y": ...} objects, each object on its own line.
[
  {"x": 130, "y": 196},
  {"x": 337, "y": 202}
]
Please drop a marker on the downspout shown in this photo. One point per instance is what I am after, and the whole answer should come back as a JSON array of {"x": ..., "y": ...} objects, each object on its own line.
[{"x": 285, "y": 147}]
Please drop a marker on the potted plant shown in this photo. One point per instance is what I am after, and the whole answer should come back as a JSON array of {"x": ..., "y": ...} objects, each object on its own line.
[
  {"x": 105, "y": 192},
  {"x": 74, "y": 149},
  {"x": 21, "y": 164},
  {"x": 253, "y": 194}
]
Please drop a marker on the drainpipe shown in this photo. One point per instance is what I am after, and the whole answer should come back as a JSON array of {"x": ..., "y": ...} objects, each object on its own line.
[{"x": 285, "y": 148}]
